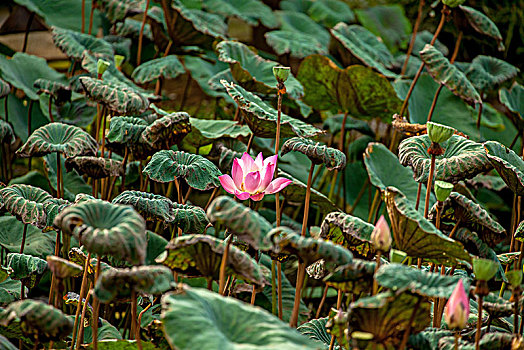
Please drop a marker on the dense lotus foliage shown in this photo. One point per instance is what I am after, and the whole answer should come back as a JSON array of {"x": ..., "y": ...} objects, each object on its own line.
[{"x": 261, "y": 174}]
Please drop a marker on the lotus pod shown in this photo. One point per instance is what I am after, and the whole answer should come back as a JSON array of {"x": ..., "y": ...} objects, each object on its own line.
[
  {"x": 439, "y": 133},
  {"x": 508, "y": 164},
  {"x": 332, "y": 158},
  {"x": 119, "y": 98},
  {"x": 77, "y": 45},
  {"x": 167, "y": 130},
  {"x": 482, "y": 24},
  {"x": 355, "y": 277},
  {"x": 106, "y": 229},
  {"x": 7, "y": 134},
  {"x": 246, "y": 224},
  {"x": 95, "y": 167},
  {"x": 281, "y": 73},
  {"x": 168, "y": 67},
  {"x": 442, "y": 190},
  {"x": 5, "y": 88},
  {"x": 198, "y": 172},
  {"x": 118, "y": 10},
  {"x": 63, "y": 268},
  {"x": 26, "y": 203},
  {"x": 69, "y": 140},
  {"x": 118, "y": 283},
  {"x": 26, "y": 268},
  {"x": 201, "y": 255},
  {"x": 484, "y": 269},
  {"x": 37, "y": 319},
  {"x": 462, "y": 158}
]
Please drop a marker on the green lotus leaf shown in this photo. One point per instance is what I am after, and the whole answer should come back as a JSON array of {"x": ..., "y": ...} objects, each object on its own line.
[
  {"x": 428, "y": 339},
  {"x": 198, "y": 172},
  {"x": 37, "y": 243},
  {"x": 494, "y": 340},
  {"x": 417, "y": 236},
  {"x": 400, "y": 277},
  {"x": 355, "y": 277},
  {"x": 201, "y": 255},
  {"x": 365, "y": 46},
  {"x": 26, "y": 268},
  {"x": 508, "y": 164},
  {"x": 225, "y": 152},
  {"x": 513, "y": 99},
  {"x": 487, "y": 73},
  {"x": 7, "y": 134},
  {"x": 262, "y": 118},
  {"x": 69, "y": 140},
  {"x": 250, "y": 11},
  {"x": 424, "y": 37},
  {"x": 497, "y": 307},
  {"x": 332, "y": 158},
  {"x": 334, "y": 125},
  {"x": 462, "y": 158},
  {"x": 357, "y": 90},
  {"x": 63, "y": 268},
  {"x": 121, "y": 46},
  {"x": 296, "y": 44},
  {"x": 224, "y": 323},
  {"x": 206, "y": 131},
  {"x": 106, "y": 229},
  {"x": 118, "y": 344},
  {"x": 118, "y": 10},
  {"x": 118, "y": 283},
  {"x": 248, "y": 225},
  {"x": 117, "y": 97},
  {"x": 316, "y": 330},
  {"x": 295, "y": 21},
  {"x": 445, "y": 73},
  {"x": 252, "y": 71},
  {"x": 330, "y": 12},
  {"x": 26, "y": 203},
  {"x": 95, "y": 167},
  {"x": 482, "y": 24},
  {"x": 37, "y": 319},
  {"x": 60, "y": 92},
  {"x": 168, "y": 67},
  {"x": 5, "y": 88},
  {"x": 131, "y": 28},
  {"x": 9, "y": 292},
  {"x": 77, "y": 45},
  {"x": 6, "y": 344},
  {"x": 126, "y": 130},
  {"x": 167, "y": 130}
]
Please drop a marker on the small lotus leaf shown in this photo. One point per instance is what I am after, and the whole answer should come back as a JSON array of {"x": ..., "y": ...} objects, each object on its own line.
[
  {"x": 26, "y": 203},
  {"x": 63, "y": 268},
  {"x": 168, "y": 67},
  {"x": 95, "y": 167},
  {"x": 77, "y": 45},
  {"x": 482, "y": 24},
  {"x": 508, "y": 164},
  {"x": 60, "y": 92},
  {"x": 332, "y": 158},
  {"x": 26, "y": 268},
  {"x": 126, "y": 130},
  {"x": 487, "y": 73}
]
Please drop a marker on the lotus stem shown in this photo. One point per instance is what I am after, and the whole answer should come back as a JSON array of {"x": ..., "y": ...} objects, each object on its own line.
[
  {"x": 516, "y": 311},
  {"x": 405, "y": 338},
  {"x": 29, "y": 112},
  {"x": 377, "y": 266},
  {"x": 124, "y": 167},
  {"x": 24, "y": 234},
  {"x": 58, "y": 175},
  {"x": 254, "y": 291},
  {"x": 50, "y": 109},
  {"x": 223, "y": 264},
  {"x": 22, "y": 290},
  {"x": 141, "y": 35},
  {"x": 213, "y": 194},
  {"x": 479, "y": 322},
  {"x": 186, "y": 197},
  {"x": 359, "y": 197},
  {"x": 479, "y": 115},
  {"x": 301, "y": 272},
  {"x": 27, "y": 28},
  {"x": 81, "y": 296},
  {"x": 83, "y": 16},
  {"x": 428, "y": 187},
  {"x": 91, "y": 15},
  {"x": 413, "y": 37},
  {"x": 250, "y": 142},
  {"x": 457, "y": 338},
  {"x": 80, "y": 340},
  {"x": 374, "y": 205},
  {"x": 322, "y": 301},
  {"x": 143, "y": 312},
  {"x": 210, "y": 283},
  {"x": 278, "y": 209},
  {"x": 279, "y": 290},
  {"x": 419, "y": 191},
  {"x": 179, "y": 193},
  {"x": 96, "y": 306},
  {"x": 136, "y": 326},
  {"x": 187, "y": 87},
  {"x": 339, "y": 305},
  {"x": 158, "y": 86},
  {"x": 273, "y": 288}
]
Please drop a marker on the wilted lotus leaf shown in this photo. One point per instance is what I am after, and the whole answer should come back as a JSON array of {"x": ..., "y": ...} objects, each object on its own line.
[
  {"x": 37, "y": 319},
  {"x": 508, "y": 164},
  {"x": 60, "y": 92},
  {"x": 248, "y": 225},
  {"x": 296, "y": 193},
  {"x": 224, "y": 323},
  {"x": 508, "y": 258},
  {"x": 254, "y": 72},
  {"x": 446, "y": 73},
  {"x": 106, "y": 229},
  {"x": 365, "y": 46},
  {"x": 198, "y": 172},
  {"x": 348, "y": 231},
  {"x": 296, "y": 44},
  {"x": 77, "y": 45},
  {"x": 26, "y": 203},
  {"x": 387, "y": 315},
  {"x": 519, "y": 232},
  {"x": 206, "y": 131},
  {"x": 63, "y": 268},
  {"x": 167, "y": 130},
  {"x": 482, "y": 24},
  {"x": 407, "y": 128},
  {"x": 119, "y": 98},
  {"x": 357, "y": 89},
  {"x": 168, "y": 67},
  {"x": 250, "y": 11},
  {"x": 5, "y": 88},
  {"x": 26, "y": 268},
  {"x": 416, "y": 236},
  {"x": 462, "y": 158},
  {"x": 95, "y": 167},
  {"x": 318, "y": 153},
  {"x": 355, "y": 277},
  {"x": 262, "y": 118},
  {"x": 118, "y": 283},
  {"x": 7, "y": 134},
  {"x": 71, "y": 298},
  {"x": 118, "y": 10},
  {"x": 200, "y": 255},
  {"x": 487, "y": 73}
]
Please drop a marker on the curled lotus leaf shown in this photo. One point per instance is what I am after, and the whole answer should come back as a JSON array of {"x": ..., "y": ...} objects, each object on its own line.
[
  {"x": 416, "y": 236},
  {"x": 198, "y": 172},
  {"x": 487, "y": 73},
  {"x": 53, "y": 207},
  {"x": 462, "y": 159},
  {"x": 37, "y": 319},
  {"x": 493, "y": 340},
  {"x": 248, "y": 225},
  {"x": 26, "y": 268},
  {"x": 355, "y": 277},
  {"x": 318, "y": 153},
  {"x": 69, "y": 140},
  {"x": 296, "y": 44},
  {"x": 316, "y": 330},
  {"x": 118, "y": 10},
  {"x": 7, "y": 135},
  {"x": 508, "y": 164},
  {"x": 118, "y": 283},
  {"x": 26, "y": 203},
  {"x": 444, "y": 72},
  {"x": 63, "y": 268},
  {"x": 77, "y": 45},
  {"x": 168, "y": 67},
  {"x": 513, "y": 99},
  {"x": 106, "y": 229},
  {"x": 95, "y": 167},
  {"x": 398, "y": 277},
  {"x": 295, "y": 193},
  {"x": 428, "y": 338},
  {"x": 5, "y": 88},
  {"x": 167, "y": 130},
  {"x": 218, "y": 322},
  {"x": 262, "y": 118},
  {"x": 190, "y": 218},
  {"x": 119, "y": 98},
  {"x": 482, "y": 24},
  {"x": 60, "y": 92},
  {"x": 201, "y": 255}
]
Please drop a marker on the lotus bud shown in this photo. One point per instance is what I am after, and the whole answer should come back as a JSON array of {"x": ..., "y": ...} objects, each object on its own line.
[
  {"x": 484, "y": 269},
  {"x": 442, "y": 190},
  {"x": 119, "y": 59},
  {"x": 281, "y": 73},
  {"x": 514, "y": 278},
  {"x": 101, "y": 67},
  {"x": 456, "y": 313},
  {"x": 397, "y": 256},
  {"x": 439, "y": 133},
  {"x": 381, "y": 236},
  {"x": 453, "y": 3}
]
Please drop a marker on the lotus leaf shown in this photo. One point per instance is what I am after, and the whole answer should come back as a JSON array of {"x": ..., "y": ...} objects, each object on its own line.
[
  {"x": 7, "y": 134},
  {"x": 296, "y": 193},
  {"x": 106, "y": 229},
  {"x": 118, "y": 10},
  {"x": 63, "y": 268},
  {"x": 205, "y": 131},
  {"x": 60, "y": 92},
  {"x": 348, "y": 231},
  {"x": 126, "y": 130},
  {"x": 5, "y": 344},
  {"x": 508, "y": 164},
  {"x": 250, "y": 11},
  {"x": 168, "y": 67},
  {"x": 5, "y": 88},
  {"x": 493, "y": 340},
  {"x": 26, "y": 268},
  {"x": 131, "y": 28},
  {"x": 95, "y": 167},
  {"x": 334, "y": 125},
  {"x": 295, "y": 21},
  {"x": 330, "y": 12},
  {"x": 37, "y": 243},
  {"x": 513, "y": 99},
  {"x": 316, "y": 330},
  {"x": 462, "y": 158},
  {"x": 487, "y": 73},
  {"x": 167, "y": 130},
  {"x": 26, "y": 203},
  {"x": 482, "y": 24},
  {"x": 355, "y": 277},
  {"x": 9, "y": 292},
  {"x": 332, "y": 158},
  {"x": 296, "y": 44},
  {"x": 428, "y": 339},
  {"x": 77, "y": 45},
  {"x": 496, "y": 306}
]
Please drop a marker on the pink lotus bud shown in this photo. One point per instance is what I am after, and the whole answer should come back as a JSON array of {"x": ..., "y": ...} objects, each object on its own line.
[
  {"x": 456, "y": 313},
  {"x": 381, "y": 236}
]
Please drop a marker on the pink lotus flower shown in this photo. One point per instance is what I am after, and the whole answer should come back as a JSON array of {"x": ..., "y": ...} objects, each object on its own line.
[
  {"x": 381, "y": 236},
  {"x": 457, "y": 308},
  {"x": 252, "y": 178}
]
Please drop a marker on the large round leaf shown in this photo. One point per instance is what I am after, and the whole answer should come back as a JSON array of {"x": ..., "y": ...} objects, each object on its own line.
[
  {"x": 76, "y": 45},
  {"x": 26, "y": 268},
  {"x": 462, "y": 158},
  {"x": 168, "y": 67},
  {"x": 95, "y": 167},
  {"x": 508, "y": 164},
  {"x": 26, "y": 203},
  {"x": 38, "y": 243},
  {"x": 318, "y": 153},
  {"x": 482, "y": 24},
  {"x": 106, "y": 229},
  {"x": 348, "y": 231},
  {"x": 67, "y": 139},
  {"x": 487, "y": 73},
  {"x": 198, "y": 172},
  {"x": 214, "y": 322}
]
